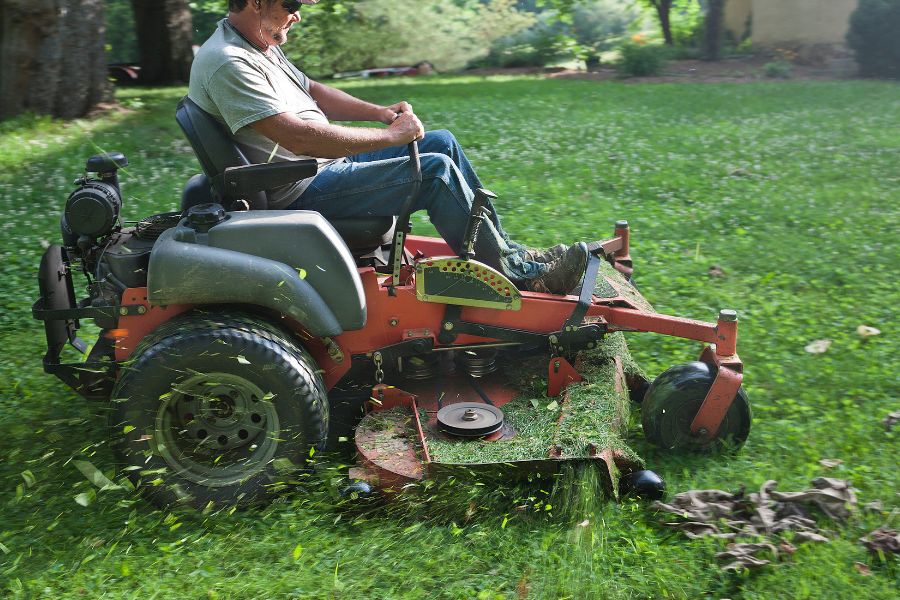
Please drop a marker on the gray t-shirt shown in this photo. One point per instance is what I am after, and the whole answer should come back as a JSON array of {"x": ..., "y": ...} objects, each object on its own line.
[{"x": 239, "y": 84}]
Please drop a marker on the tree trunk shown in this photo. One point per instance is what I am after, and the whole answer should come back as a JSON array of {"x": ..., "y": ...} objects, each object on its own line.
[
  {"x": 52, "y": 57},
  {"x": 713, "y": 30},
  {"x": 663, "y": 9},
  {"x": 164, "y": 40}
]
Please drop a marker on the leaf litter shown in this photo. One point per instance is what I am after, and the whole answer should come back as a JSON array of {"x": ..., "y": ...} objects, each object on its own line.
[{"x": 766, "y": 515}]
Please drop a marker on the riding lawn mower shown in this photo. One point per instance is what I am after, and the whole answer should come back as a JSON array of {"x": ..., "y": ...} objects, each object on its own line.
[{"x": 234, "y": 342}]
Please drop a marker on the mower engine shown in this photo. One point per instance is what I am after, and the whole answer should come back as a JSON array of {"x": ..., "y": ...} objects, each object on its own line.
[{"x": 111, "y": 257}]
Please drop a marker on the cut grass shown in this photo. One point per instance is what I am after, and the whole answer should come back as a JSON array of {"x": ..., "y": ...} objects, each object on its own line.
[
  {"x": 791, "y": 188},
  {"x": 593, "y": 412}
]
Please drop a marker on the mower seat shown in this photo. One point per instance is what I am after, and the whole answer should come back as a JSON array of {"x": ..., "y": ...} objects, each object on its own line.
[{"x": 229, "y": 179}]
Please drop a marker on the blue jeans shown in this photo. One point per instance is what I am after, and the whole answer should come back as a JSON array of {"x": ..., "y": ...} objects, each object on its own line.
[{"x": 378, "y": 183}]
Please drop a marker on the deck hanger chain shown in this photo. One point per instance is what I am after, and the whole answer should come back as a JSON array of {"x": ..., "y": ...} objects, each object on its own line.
[{"x": 379, "y": 373}]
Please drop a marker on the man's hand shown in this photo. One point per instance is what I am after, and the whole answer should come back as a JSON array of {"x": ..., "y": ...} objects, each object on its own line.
[
  {"x": 407, "y": 127},
  {"x": 395, "y": 110}
]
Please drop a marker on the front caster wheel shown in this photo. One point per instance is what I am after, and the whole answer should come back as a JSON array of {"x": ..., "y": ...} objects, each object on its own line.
[
  {"x": 673, "y": 401},
  {"x": 218, "y": 412},
  {"x": 643, "y": 484}
]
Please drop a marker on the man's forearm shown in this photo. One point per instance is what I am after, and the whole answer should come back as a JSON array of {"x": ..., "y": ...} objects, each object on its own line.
[
  {"x": 341, "y": 106},
  {"x": 324, "y": 140}
]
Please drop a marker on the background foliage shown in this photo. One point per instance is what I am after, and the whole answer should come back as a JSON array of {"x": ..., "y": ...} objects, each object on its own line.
[{"x": 348, "y": 35}]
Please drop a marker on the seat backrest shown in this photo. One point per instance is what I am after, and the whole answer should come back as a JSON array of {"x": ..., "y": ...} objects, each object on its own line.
[{"x": 215, "y": 149}]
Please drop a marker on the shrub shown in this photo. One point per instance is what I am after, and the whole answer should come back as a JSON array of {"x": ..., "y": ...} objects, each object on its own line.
[
  {"x": 745, "y": 47},
  {"x": 874, "y": 38},
  {"x": 542, "y": 43},
  {"x": 778, "y": 69},
  {"x": 640, "y": 60},
  {"x": 601, "y": 25}
]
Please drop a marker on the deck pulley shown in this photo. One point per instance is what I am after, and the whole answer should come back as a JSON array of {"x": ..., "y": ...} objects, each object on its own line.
[{"x": 470, "y": 419}]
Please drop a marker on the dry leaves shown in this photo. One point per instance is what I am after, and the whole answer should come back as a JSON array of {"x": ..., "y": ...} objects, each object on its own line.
[
  {"x": 882, "y": 541},
  {"x": 818, "y": 346},
  {"x": 765, "y": 514},
  {"x": 864, "y": 331},
  {"x": 862, "y": 568}
]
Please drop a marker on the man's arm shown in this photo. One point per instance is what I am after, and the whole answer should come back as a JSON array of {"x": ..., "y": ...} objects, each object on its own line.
[
  {"x": 324, "y": 140},
  {"x": 341, "y": 106}
]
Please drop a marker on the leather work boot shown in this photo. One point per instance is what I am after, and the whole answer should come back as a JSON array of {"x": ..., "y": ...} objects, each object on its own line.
[
  {"x": 563, "y": 274},
  {"x": 544, "y": 255}
]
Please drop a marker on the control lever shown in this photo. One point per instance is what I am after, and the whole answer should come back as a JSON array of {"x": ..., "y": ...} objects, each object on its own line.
[{"x": 402, "y": 227}]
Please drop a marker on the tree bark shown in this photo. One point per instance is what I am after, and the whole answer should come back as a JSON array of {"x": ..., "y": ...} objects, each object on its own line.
[
  {"x": 663, "y": 9},
  {"x": 164, "y": 40},
  {"x": 714, "y": 30},
  {"x": 52, "y": 58}
]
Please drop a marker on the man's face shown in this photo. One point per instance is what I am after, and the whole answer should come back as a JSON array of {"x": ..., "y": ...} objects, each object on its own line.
[{"x": 276, "y": 20}]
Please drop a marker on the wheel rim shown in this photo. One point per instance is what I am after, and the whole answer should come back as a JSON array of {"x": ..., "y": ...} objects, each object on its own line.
[
  {"x": 677, "y": 432},
  {"x": 216, "y": 429}
]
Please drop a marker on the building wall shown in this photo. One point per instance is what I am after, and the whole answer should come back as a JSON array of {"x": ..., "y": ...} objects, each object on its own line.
[
  {"x": 801, "y": 21},
  {"x": 737, "y": 15}
]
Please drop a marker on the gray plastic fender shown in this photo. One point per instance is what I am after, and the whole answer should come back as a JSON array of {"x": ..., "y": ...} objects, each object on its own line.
[{"x": 191, "y": 273}]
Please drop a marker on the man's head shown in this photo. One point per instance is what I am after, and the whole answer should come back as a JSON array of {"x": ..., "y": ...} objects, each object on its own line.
[{"x": 272, "y": 18}]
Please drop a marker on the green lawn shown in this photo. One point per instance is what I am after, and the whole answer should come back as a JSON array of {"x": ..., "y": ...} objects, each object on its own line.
[{"x": 791, "y": 188}]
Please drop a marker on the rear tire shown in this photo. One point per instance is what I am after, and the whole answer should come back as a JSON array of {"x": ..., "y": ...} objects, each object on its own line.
[
  {"x": 219, "y": 410},
  {"x": 673, "y": 401}
]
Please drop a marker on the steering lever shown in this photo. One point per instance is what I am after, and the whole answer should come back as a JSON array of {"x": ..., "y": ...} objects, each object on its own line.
[{"x": 402, "y": 227}]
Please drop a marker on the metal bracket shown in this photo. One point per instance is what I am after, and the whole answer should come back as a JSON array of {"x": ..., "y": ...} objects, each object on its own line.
[
  {"x": 721, "y": 395},
  {"x": 86, "y": 312},
  {"x": 560, "y": 375},
  {"x": 573, "y": 339}
]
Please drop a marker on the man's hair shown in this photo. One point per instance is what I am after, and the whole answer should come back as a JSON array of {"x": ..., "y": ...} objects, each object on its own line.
[{"x": 239, "y": 5}]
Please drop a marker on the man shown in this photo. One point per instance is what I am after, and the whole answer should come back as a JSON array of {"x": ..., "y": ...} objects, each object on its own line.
[{"x": 275, "y": 112}]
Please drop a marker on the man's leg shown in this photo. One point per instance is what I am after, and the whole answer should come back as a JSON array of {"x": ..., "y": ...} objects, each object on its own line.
[
  {"x": 380, "y": 188},
  {"x": 441, "y": 141}
]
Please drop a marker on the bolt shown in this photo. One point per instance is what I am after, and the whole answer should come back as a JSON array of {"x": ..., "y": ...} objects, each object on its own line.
[
  {"x": 553, "y": 339},
  {"x": 141, "y": 310},
  {"x": 729, "y": 316},
  {"x": 448, "y": 326},
  {"x": 702, "y": 431},
  {"x": 394, "y": 322},
  {"x": 123, "y": 311},
  {"x": 469, "y": 415}
]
